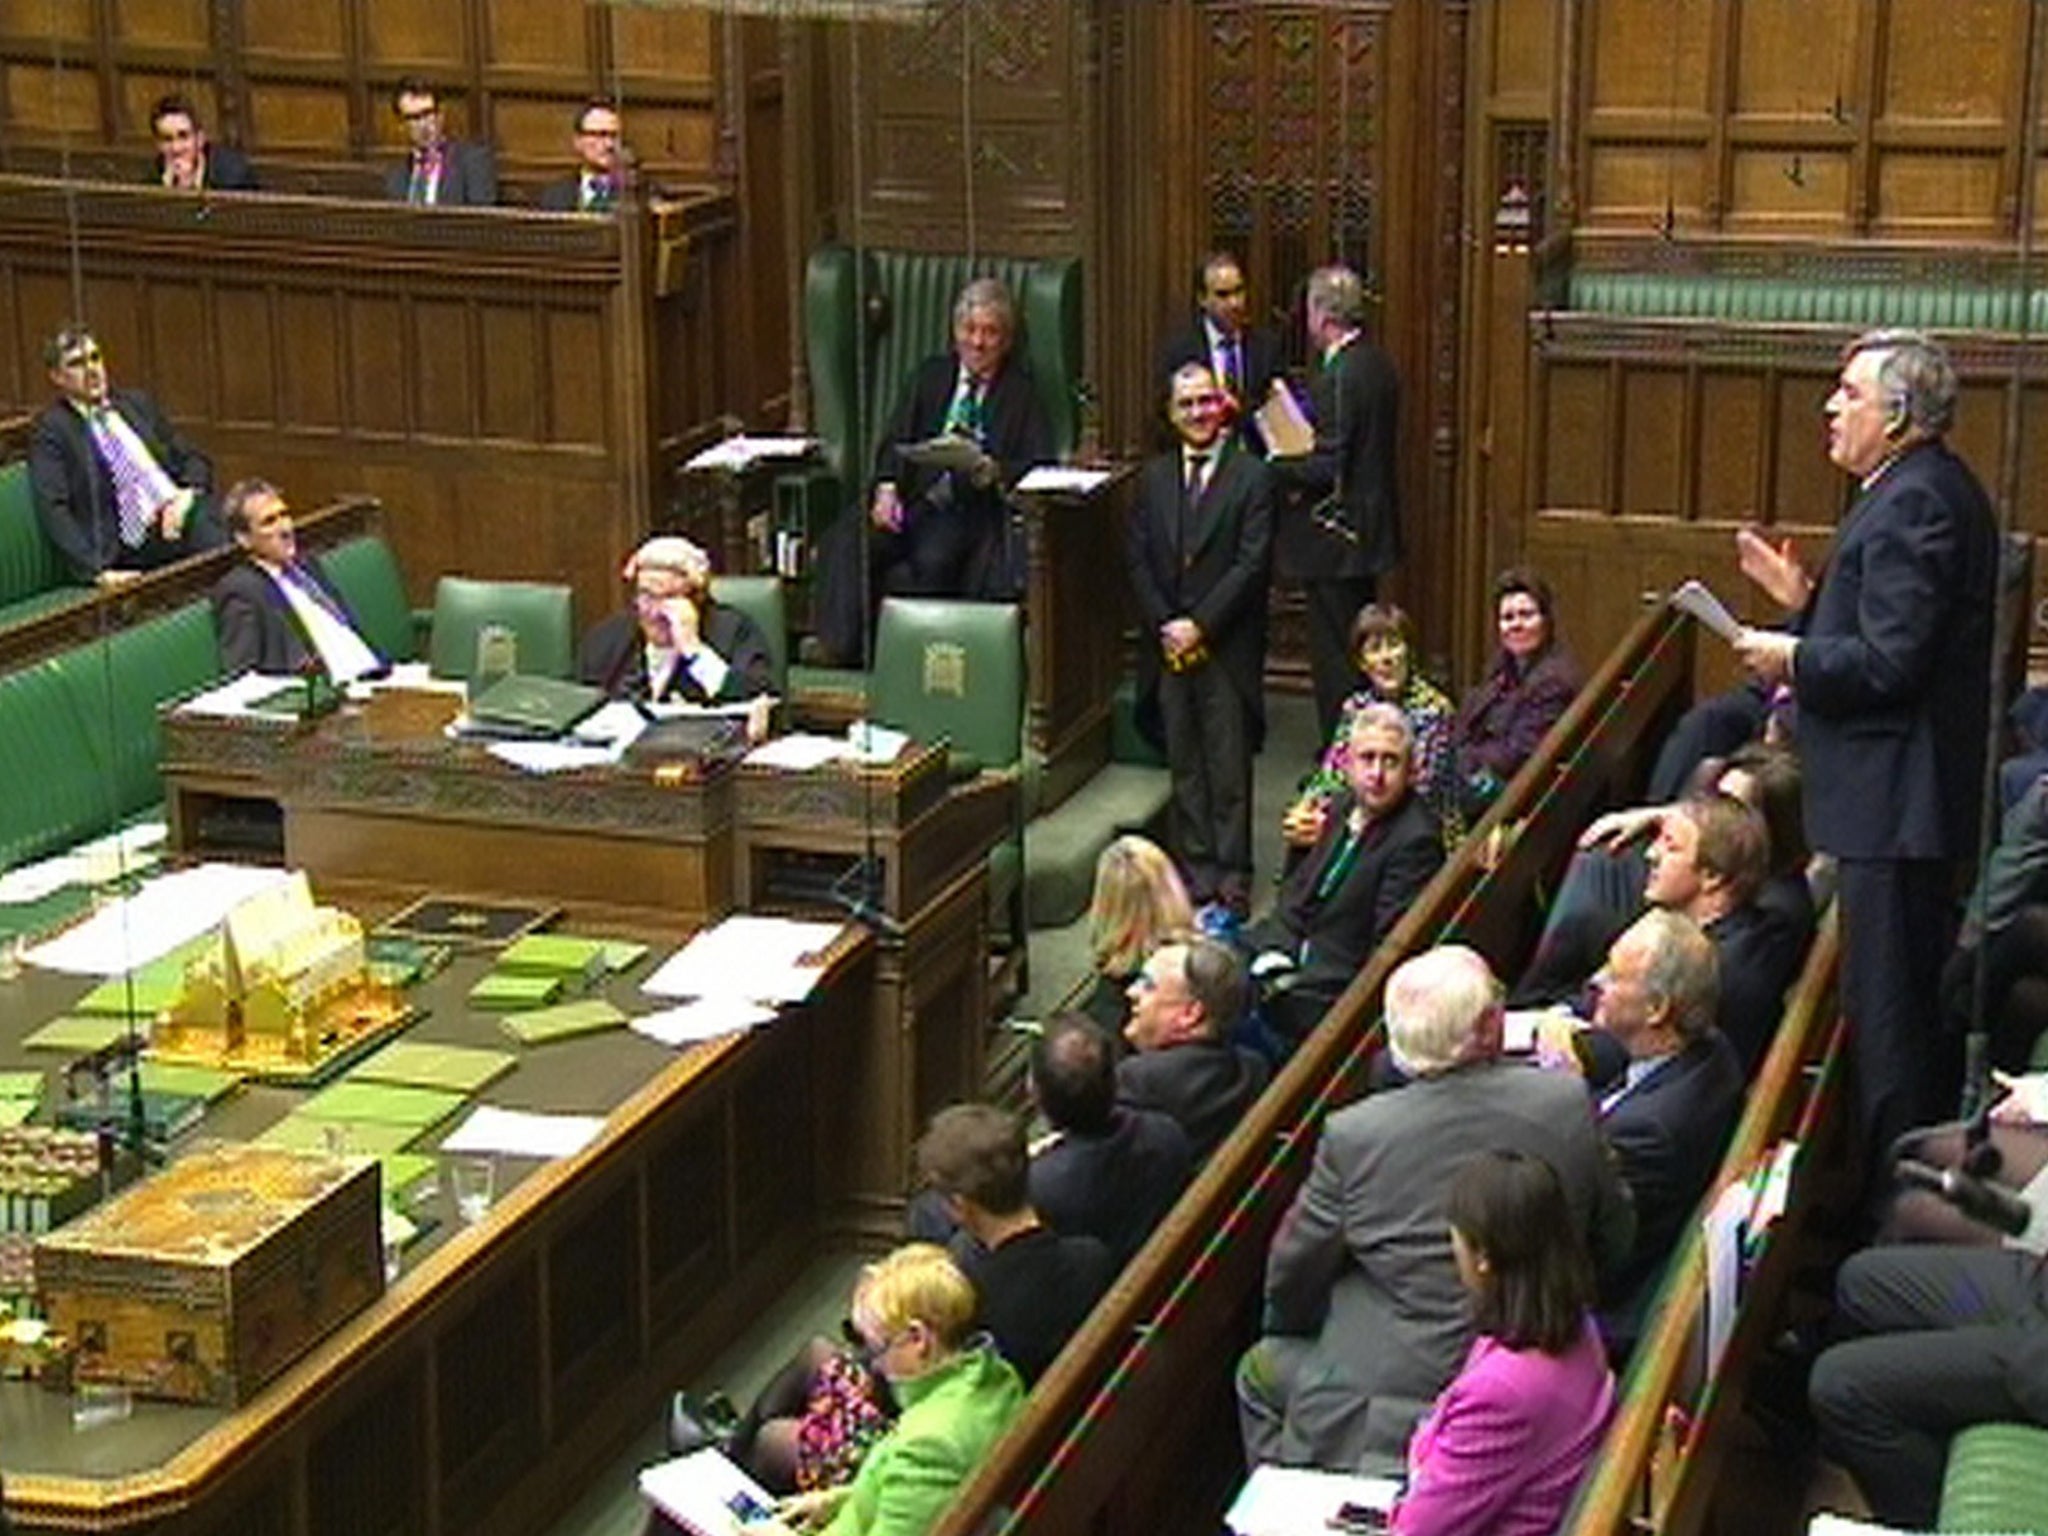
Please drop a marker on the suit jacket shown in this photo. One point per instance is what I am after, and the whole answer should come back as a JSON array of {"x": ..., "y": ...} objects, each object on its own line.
[
  {"x": 1668, "y": 1133},
  {"x": 614, "y": 657},
  {"x": 1259, "y": 360},
  {"x": 1347, "y": 480},
  {"x": 1759, "y": 955},
  {"x": 1015, "y": 433},
  {"x": 469, "y": 177},
  {"x": 1361, "y": 1264},
  {"x": 1890, "y": 674},
  {"x": 1116, "y": 1185},
  {"x": 564, "y": 196},
  {"x": 1032, "y": 1291},
  {"x": 1332, "y": 938},
  {"x": 1209, "y": 562},
  {"x": 1205, "y": 1085},
  {"x": 74, "y": 494},
  {"x": 1505, "y": 1446},
  {"x": 227, "y": 170},
  {"x": 255, "y": 623}
]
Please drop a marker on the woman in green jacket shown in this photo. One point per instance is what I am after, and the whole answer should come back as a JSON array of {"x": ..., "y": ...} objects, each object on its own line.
[{"x": 913, "y": 1309}]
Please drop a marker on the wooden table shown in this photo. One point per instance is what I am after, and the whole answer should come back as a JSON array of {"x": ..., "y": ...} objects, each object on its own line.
[{"x": 512, "y": 1357}]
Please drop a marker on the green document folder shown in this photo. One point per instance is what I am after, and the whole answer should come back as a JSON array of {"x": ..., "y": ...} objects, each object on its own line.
[
  {"x": 536, "y": 708},
  {"x": 506, "y": 989},
  {"x": 27, "y": 1083},
  {"x": 207, "y": 1083},
  {"x": 382, "y": 1103},
  {"x": 78, "y": 1034},
  {"x": 556, "y": 954},
  {"x": 421, "y": 1064},
  {"x": 560, "y": 1023},
  {"x": 304, "y": 1133}
]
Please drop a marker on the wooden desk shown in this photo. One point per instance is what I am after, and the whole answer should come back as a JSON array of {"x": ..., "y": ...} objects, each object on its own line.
[
  {"x": 377, "y": 792},
  {"x": 511, "y": 1358}
]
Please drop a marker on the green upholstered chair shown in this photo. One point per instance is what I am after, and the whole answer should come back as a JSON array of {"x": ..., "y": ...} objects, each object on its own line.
[
  {"x": 1994, "y": 1480},
  {"x": 57, "y": 794},
  {"x": 760, "y": 599},
  {"x": 33, "y": 576},
  {"x": 365, "y": 573},
  {"x": 539, "y": 614},
  {"x": 144, "y": 666},
  {"x": 954, "y": 672},
  {"x": 871, "y": 316}
]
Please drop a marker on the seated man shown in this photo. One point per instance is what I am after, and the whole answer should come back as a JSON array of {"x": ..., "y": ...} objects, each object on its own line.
[
  {"x": 1944, "y": 1338},
  {"x": 1670, "y": 1110},
  {"x": 675, "y": 644},
  {"x": 929, "y": 531},
  {"x": 1366, "y": 1320},
  {"x": 1184, "y": 1003},
  {"x": 2005, "y": 926},
  {"x": 186, "y": 159},
  {"x": 1373, "y": 858},
  {"x": 1708, "y": 863},
  {"x": 1107, "y": 1170},
  {"x": 599, "y": 181},
  {"x": 1034, "y": 1286},
  {"x": 274, "y": 612},
  {"x": 118, "y": 489},
  {"x": 439, "y": 172}
]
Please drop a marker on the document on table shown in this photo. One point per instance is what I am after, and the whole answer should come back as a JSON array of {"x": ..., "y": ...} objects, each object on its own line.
[
  {"x": 749, "y": 959},
  {"x": 1063, "y": 477},
  {"x": 1290, "y": 1501},
  {"x": 523, "y": 1133},
  {"x": 554, "y": 756},
  {"x": 166, "y": 912},
  {"x": 705, "y": 1019},
  {"x": 237, "y": 696},
  {"x": 741, "y": 451},
  {"x": 799, "y": 752},
  {"x": 102, "y": 860}
]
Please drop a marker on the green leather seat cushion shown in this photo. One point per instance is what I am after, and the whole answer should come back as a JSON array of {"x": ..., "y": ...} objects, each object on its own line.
[
  {"x": 33, "y": 576},
  {"x": 365, "y": 573},
  {"x": 539, "y": 615},
  {"x": 1997, "y": 1480}
]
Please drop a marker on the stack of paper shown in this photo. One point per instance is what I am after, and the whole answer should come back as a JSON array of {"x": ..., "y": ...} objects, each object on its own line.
[
  {"x": 422, "y": 1064},
  {"x": 503, "y": 990},
  {"x": 705, "y": 1019},
  {"x": 541, "y": 1025},
  {"x": 1286, "y": 1501},
  {"x": 754, "y": 959},
  {"x": 705, "y": 1492},
  {"x": 523, "y": 1133},
  {"x": 166, "y": 912}
]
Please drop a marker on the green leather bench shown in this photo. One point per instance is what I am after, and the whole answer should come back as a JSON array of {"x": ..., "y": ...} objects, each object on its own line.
[
  {"x": 1997, "y": 1480},
  {"x": 1800, "y": 301},
  {"x": 33, "y": 577}
]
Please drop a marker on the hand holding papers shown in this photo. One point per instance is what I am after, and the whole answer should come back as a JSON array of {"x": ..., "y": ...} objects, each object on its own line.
[
  {"x": 1694, "y": 597},
  {"x": 1283, "y": 425},
  {"x": 951, "y": 451}
]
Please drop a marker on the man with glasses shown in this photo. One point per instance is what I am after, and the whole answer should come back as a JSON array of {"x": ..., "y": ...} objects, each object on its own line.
[
  {"x": 440, "y": 172},
  {"x": 118, "y": 488},
  {"x": 187, "y": 160},
  {"x": 600, "y": 180}
]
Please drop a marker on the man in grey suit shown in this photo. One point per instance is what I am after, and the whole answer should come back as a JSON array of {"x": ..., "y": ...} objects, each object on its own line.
[
  {"x": 439, "y": 172},
  {"x": 1366, "y": 1320}
]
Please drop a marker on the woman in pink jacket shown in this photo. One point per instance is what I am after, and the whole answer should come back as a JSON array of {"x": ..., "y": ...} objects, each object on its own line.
[{"x": 1502, "y": 1451}]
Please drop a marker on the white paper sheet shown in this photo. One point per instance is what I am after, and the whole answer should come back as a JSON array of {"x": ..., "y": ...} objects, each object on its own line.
[
  {"x": 748, "y": 958},
  {"x": 554, "y": 756},
  {"x": 740, "y": 451},
  {"x": 523, "y": 1133},
  {"x": 868, "y": 742},
  {"x": 1299, "y": 1501},
  {"x": 707, "y": 1493},
  {"x": 616, "y": 722},
  {"x": 1725, "y": 1222},
  {"x": 409, "y": 677},
  {"x": 1063, "y": 477},
  {"x": 164, "y": 913},
  {"x": 232, "y": 698},
  {"x": 705, "y": 1019},
  {"x": 799, "y": 752},
  {"x": 1695, "y": 598},
  {"x": 99, "y": 862}
]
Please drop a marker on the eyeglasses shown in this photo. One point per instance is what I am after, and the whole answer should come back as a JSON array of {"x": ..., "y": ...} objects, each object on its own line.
[
  {"x": 85, "y": 357},
  {"x": 420, "y": 114}
]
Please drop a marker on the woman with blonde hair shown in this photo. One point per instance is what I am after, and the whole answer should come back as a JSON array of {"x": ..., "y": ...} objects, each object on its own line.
[{"x": 1139, "y": 899}]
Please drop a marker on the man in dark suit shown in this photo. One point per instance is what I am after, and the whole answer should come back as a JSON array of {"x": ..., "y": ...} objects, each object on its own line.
[
  {"x": 439, "y": 172},
  {"x": 599, "y": 180},
  {"x": 1343, "y": 528},
  {"x": 1377, "y": 850},
  {"x": 118, "y": 489},
  {"x": 674, "y": 644},
  {"x": 186, "y": 159},
  {"x": 1366, "y": 1319},
  {"x": 1243, "y": 358},
  {"x": 1033, "y": 1285},
  {"x": 1707, "y": 862},
  {"x": 1196, "y": 546},
  {"x": 272, "y": 612},
  {"x": 1889, "y": 664},
  {"x": 1184, "y": 1003},
  {"x": 1107, "y": 1170},
  {"x": 928, "y": 531},
  {"x": 1669, "y": 1111}
]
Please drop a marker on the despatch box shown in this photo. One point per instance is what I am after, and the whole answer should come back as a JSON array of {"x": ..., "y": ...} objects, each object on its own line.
[{"x": 207, "y": 1279}]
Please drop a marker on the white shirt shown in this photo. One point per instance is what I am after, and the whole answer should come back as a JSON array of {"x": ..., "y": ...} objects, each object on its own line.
[{"x": 342, "y": 651}]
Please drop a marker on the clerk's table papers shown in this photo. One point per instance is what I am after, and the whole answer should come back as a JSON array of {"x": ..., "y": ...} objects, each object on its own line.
[
  {"x": 747, "y": 959},
  {"x": 164, "y": 913},
  {"x": 523, "y": 1133}
]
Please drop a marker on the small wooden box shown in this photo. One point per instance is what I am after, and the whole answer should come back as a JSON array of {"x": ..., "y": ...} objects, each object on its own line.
[{"x": 206, "y": 1280}]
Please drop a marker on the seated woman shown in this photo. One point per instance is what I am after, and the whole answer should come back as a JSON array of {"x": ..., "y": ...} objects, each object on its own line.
[
  {"x": 1139, "y": 899},
  {"x": 1383, "y": 645},
  {"x": 675, "y": 644},
  {"x": 1528, "y": 685},
  {"x": 912, "y": 1311},
  {"x": 1508, "y": 1440}
]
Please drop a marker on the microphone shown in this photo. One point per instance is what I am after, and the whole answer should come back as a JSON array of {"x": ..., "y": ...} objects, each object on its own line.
[{"x": 1999, "y": 1209}]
